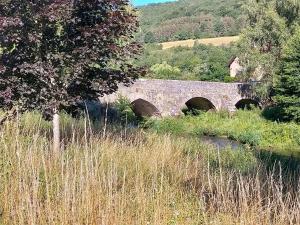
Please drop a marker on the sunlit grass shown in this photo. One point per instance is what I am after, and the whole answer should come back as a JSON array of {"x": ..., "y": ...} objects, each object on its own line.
[
  {"x": 135, "y": 177},
  {"x": 245, "y": 126}
]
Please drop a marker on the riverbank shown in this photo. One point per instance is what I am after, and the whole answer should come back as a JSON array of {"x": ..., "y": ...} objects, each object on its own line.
[
  {"x": 247, "y": 127},
  {"x": 134, "y": 176}
]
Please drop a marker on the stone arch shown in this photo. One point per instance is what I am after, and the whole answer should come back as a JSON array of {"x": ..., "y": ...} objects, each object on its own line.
[
  {"x": 246, "y": 104},
  {"x": 200, "y": 103},
  {"x": 143, "y": 108}
]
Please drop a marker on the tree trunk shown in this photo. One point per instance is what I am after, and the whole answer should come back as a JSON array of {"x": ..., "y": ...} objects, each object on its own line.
[{"x": 56, "y": 133}]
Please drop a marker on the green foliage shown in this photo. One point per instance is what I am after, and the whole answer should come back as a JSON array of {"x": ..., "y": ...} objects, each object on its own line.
[
  {"x": 165, "y": 71},
  {"x": 191, "y": 112},
  {"x": 187, "y": 19},
  {"x": 269, "y": 24},
  {"x": 149, "y": 37},
  {"x": 241, "y": 160},
  {"x": 124, "y": 108},
  {"x": 201, "y": 62},
  {"x": 290, "y": 9},
  {"x": 229, "y": 79},
  {"x": 251, "y": 137},
  {"x": 288, "y": 86},
  {"x": 245, "y": 126},
  {"x": 261, "y": 43},
  {"x": 167, "y": 125}
]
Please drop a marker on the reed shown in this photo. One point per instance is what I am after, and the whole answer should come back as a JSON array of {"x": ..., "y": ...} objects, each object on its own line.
[{"x": 133, "y": 178}]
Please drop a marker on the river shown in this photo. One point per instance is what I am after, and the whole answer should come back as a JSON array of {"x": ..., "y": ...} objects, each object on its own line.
[{"x": 221, "y": 143}]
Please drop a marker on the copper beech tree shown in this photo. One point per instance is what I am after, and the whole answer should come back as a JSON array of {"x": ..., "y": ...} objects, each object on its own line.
[{"x": 55, "y": 54}]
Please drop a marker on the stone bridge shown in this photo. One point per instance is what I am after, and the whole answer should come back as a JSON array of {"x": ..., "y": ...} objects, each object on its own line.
[{"x": 170, "y": 97}]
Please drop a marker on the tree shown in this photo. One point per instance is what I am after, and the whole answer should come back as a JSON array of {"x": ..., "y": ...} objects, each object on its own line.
[
  {"x": 290, "y": 9},
  {"x": 270, "y": 23},
  {"x": 269, "y": 26},
  {"x": 58, "y": 53},
  {"x": 261, "y": 43},
  {"x": 288, "y": 85},
  {"x": 219, "y": 28},
  {"x": 165, "y": 71},
  {"x": 149, "y": 37}
]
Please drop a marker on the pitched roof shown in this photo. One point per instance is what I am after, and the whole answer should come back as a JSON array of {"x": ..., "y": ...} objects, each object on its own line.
[{"x": 231, "y": 60}]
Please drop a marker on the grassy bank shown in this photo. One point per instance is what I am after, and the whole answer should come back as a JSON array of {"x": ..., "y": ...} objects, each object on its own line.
[
  {"x": 133, "y": 177},
  {"x": 245, "y": 126}
]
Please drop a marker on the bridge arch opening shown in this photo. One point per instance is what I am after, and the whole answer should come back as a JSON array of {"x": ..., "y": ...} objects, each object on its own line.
[
  {"x": 143, "y": 108},
  {"x": 247, "y": 104},
  {"x": 197, "y": 104}
]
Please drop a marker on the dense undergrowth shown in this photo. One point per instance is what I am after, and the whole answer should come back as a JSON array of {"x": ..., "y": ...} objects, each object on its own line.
[
  {"x": 201, "y": 62},
  {"x": 105, "y": 175},
  {"x": 248, "y": 127}
]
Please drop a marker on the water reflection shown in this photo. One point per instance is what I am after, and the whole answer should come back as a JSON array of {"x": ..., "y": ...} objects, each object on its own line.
[{"x": 221, "y": 142}]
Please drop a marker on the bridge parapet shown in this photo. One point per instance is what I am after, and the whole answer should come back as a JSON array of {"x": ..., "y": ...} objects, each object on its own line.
[{"x": 169, "y": 97}]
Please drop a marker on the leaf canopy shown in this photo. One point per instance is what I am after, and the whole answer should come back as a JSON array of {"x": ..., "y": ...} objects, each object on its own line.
[{"x": 57, "y": 53}]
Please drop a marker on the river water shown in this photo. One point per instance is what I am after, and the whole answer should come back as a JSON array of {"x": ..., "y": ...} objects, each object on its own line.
[{"x": 221, "y": 143}]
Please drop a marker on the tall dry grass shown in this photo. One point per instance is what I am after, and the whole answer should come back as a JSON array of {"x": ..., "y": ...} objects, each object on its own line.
[{"x": 133, "y": 178}]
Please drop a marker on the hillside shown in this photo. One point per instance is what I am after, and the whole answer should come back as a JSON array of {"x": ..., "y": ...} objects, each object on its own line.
[{"x": 191, "y": 19}]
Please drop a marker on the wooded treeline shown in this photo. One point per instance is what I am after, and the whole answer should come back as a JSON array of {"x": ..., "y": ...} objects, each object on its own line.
[{"x": 189, "y": 19}]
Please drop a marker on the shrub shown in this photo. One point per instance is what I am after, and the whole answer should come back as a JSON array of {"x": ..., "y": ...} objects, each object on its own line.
[
  {"x": 249, "y": 137},
  {"x": 165, "y": 71},
  {"x": 124, "y": 108},
  {"x": 229, "y": 79},
  {"x": 169, "y": 125}
]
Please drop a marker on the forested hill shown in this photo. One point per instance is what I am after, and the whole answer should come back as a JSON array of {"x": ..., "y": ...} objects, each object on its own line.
[{"x": 187, "y": 19}]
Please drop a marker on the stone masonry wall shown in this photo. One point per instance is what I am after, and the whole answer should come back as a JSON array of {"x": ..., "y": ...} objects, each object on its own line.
[{"x": 170, "y": 96}]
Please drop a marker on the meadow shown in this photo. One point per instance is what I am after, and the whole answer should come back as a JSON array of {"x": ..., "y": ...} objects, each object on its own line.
[
  {"x": 218, "y": 41},
  {"x": 113, "y": 175}
]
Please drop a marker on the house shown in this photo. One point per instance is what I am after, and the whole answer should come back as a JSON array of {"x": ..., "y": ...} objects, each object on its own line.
[{"x": 235, "y": 67}]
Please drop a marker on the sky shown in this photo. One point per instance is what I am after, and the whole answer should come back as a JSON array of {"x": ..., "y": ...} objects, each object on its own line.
[{"x": 145, "y": 2}]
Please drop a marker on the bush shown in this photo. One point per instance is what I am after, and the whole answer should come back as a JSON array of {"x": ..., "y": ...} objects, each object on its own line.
[
  {"x": 165, "y": 71},
  {"x": 229, "y": 79},
  {"x": 249, "y": 137},
  {"x": 168, "y": 125},
  {"x": 124, "y": 108}
]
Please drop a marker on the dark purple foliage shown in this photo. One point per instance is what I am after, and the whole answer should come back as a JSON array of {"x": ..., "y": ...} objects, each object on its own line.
[{"x": 58, "y": 53}]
